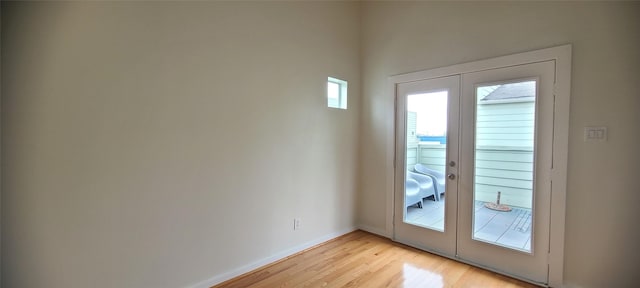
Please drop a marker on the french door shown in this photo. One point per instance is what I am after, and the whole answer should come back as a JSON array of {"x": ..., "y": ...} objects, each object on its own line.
[
  {"x": 474, "y": 153},
  {"x": 425, "y": 204}
]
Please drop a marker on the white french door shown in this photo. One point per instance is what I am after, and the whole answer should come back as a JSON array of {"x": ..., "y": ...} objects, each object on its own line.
[
  {"x": 474, "y": 153},
  {"x": 507, "y": 137},
  {"x": 425, "y": 209}
]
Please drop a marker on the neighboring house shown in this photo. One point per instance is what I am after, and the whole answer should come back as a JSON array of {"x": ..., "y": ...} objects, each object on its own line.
[{"x": 505, "y": 117}]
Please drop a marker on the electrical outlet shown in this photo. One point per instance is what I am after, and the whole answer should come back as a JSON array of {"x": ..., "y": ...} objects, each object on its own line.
[{"x": 296, "y": 224}]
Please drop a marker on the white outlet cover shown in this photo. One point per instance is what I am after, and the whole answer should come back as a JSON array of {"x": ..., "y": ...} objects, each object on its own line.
[
  {"x": 296, "y": 224},
  {"x": 595, "y": 134}
]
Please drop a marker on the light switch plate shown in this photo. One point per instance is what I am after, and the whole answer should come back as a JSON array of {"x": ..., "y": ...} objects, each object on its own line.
[{"x": 595, "y": 134}]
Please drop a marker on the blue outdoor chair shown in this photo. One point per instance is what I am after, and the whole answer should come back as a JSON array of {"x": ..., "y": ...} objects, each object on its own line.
[
  {"x": 437, "y": 176},
  {"x": 412, "y": 193},
  {"x": 425, "y": 183}
]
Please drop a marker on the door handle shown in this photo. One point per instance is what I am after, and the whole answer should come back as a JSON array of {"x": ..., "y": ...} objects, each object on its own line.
[{"x": 451, "y": 176}]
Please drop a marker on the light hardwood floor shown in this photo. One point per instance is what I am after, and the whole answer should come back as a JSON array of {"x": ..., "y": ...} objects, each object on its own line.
[{"x": 361, "y": 259}]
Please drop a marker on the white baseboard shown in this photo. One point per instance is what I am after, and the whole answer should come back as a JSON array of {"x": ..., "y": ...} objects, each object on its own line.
[
  {"x": 375, "y": 230},
  {"x": 262, "y": 262}
]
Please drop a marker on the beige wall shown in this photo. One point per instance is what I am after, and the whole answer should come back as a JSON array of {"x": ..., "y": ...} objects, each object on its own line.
[
  {"x": 162, "y": 144},
  {"x": 603, "y": 192}
]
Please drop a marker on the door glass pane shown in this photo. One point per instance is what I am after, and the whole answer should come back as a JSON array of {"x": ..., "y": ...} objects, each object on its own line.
[
  {"x": 426, "y": 157},
  {"x": 504, "y": 154}
]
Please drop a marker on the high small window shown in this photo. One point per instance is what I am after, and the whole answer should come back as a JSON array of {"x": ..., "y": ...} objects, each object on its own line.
[{"x": 336, "y": 93}]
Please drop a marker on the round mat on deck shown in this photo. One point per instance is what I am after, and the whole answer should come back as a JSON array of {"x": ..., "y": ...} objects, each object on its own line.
[{"x": 497, "y": 207}]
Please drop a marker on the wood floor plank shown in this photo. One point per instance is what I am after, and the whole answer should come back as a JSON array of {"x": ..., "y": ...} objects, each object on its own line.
[{"x": 361, "y": 259}]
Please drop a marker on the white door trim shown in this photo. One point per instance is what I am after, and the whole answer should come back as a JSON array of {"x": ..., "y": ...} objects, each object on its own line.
[{"x": 562, "y": 57}]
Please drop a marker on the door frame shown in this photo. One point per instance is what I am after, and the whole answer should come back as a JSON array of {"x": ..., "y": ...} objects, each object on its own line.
[{"x": 558, "y": 175}]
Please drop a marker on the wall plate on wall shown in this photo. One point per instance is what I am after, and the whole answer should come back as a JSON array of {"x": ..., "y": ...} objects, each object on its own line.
[{"x": 595, "y": 134}]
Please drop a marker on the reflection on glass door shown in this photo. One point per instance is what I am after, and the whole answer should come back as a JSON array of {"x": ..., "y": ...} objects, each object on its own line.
[
  {"x": 426, "y": 151},
  {"x": 504, "y": 150}
]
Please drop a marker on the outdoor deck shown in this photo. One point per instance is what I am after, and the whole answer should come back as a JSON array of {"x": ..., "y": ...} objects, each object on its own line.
[{"x": 511, "y": 229}]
